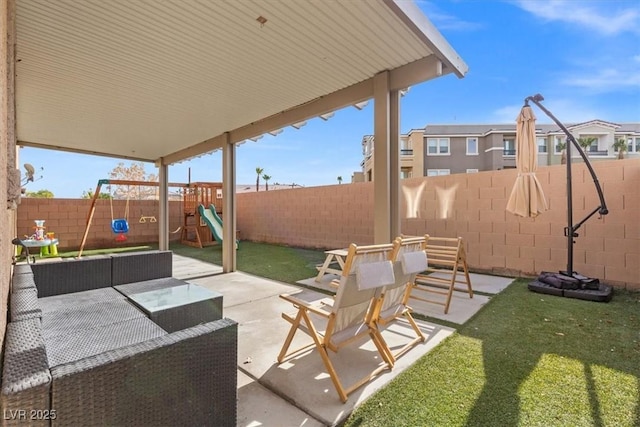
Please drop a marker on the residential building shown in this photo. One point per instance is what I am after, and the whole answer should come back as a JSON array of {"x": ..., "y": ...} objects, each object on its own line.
[{"x": 465, "y": 148}]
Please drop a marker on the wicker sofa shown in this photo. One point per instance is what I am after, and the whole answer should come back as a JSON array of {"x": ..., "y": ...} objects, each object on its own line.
[{"x": 77, "y": 352}]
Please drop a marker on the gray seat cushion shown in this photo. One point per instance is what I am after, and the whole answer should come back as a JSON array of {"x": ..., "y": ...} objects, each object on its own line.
[
  {"x": 69, "y": 301},
  {"x": 83, "y": 343},
  {"x": 88, "y": 316}
]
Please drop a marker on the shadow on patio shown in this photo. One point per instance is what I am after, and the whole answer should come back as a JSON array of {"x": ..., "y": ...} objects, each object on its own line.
[{"x": 299, "y": 391}]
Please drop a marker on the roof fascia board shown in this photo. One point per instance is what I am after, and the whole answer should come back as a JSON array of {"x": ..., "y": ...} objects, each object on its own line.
[
  {"x": 415, "y": 72},
  {"x": 411, "y": 15},
  {"x": 79, "y": 151},
  {"x": 598, "y": 123}
]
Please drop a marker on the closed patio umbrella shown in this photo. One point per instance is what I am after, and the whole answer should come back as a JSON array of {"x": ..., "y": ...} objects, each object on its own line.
[{"x": 527, "y": 198}]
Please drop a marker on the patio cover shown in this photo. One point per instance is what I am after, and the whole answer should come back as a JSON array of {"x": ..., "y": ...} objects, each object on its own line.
[{"x": 167, "y": 81}]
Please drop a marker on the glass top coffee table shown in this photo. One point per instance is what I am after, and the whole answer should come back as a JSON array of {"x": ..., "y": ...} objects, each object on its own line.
[{"x": 179, "y": 307}]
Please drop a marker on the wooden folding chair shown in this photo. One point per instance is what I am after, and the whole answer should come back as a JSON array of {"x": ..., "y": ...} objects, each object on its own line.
[
  {"x": 408, "y": 259},
  {"x": 446, "y": 258},
  {"x": 346, "y": 318}
]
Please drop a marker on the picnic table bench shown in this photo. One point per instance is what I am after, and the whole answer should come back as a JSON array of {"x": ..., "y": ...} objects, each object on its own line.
[{"x": 333, "y": 257}]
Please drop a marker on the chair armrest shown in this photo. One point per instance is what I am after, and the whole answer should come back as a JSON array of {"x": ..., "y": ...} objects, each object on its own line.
[
  {"x": 24, "y": 305},
  {"x": 314, "y": 306},
  {"x": 23, "y": 280},
  {"x": 26, "y": 379}
]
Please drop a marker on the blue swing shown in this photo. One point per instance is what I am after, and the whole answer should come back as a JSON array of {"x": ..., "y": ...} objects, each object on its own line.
[{"x": 120, "y": 226}]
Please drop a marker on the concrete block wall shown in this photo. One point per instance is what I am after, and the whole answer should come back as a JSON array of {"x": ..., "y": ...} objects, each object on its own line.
[
  {"x": 471, "y": 206},
  {"x": 316, "y": 217},
  {"x": 67, "y": 218},
  {"x": 499, "y": 242}
]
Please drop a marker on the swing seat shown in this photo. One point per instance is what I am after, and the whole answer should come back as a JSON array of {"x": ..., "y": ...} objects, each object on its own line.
[{"x": 120, "y": 226}]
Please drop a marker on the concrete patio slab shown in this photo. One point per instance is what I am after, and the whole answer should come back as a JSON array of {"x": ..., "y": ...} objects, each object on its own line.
[
  {"x": 302, "y": 381},
  {"x": 185, "y": 268},
  {"x": 461, "y": 309},
  {"x": 484, "y": 283},
  {"x": 299, "y": 392},
  {"x": 259, "y": 406},
  {"x": 241, "y": 288},
  {"x": 304, "y": 378}
]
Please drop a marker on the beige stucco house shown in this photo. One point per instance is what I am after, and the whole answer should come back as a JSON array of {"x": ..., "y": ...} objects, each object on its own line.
[{"x": 446, "y": 149}]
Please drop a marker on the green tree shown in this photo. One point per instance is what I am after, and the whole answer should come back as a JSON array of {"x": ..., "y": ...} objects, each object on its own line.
[
  {"x": 621, "y": 147},
  {"x": 40, "y": 194},
  {"x": 585, "y": 143},
  {"x": 259, "y": 171},
  {"x": 89, "y": 195},
  {"x": 266, "y": 181},
  {"x": 133, "y": 172},
  {"x": 339, "y": 180}
]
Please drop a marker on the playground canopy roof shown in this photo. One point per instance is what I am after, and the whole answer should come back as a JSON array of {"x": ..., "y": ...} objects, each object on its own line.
[{"x": 164, "y": 81}]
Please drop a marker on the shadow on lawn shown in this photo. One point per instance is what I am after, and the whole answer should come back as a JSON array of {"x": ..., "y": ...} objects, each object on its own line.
[{"x": 537, "y": 325}]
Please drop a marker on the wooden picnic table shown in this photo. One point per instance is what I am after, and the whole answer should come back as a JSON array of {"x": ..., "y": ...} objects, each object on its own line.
[{"x": 333, "y": 256}]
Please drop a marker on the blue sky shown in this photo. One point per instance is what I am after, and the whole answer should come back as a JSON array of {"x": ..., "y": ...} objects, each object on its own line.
[{"x": 582, "y": 56}]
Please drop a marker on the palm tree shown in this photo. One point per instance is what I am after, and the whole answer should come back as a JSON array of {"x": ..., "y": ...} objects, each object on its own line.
[
  {"x": 259, "y": 171},
  {"x": 266, "y": 181},
  {"x": 562, "y": 147},
  {"x": 585, "y": 143},
  {"x": 620, "y": 146},
  {"x": 339, "y": 180}
]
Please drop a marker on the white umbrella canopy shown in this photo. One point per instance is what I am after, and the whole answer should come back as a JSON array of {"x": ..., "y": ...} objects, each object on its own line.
[{"x": 527, "y": 198}]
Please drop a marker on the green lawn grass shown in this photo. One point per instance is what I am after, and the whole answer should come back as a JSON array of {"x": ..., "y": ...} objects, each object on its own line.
[
  {"x": 525, "y": 359},
  {"x": 282, "y": 263}
]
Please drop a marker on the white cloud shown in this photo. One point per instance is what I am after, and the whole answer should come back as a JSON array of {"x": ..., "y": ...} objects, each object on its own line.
[
  {"x": 605, "y": 79},
  {"x": 445, "y": 21},
  {"x": 602, "y": 17},
  {"x": 506, "y": 114}
]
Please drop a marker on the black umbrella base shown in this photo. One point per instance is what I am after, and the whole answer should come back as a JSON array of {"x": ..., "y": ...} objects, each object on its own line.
[{"x": 576, "y": 286}]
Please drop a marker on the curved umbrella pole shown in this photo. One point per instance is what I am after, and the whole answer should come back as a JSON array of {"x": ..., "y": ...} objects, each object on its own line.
[{"x": 571, "y": 229}]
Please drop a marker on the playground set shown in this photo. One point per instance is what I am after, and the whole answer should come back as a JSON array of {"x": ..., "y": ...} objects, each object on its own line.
[{"x": 197, "y": 229}]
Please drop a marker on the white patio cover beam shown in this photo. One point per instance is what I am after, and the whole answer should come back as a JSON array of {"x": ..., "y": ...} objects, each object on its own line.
[
  {"x": 381, "y": 161},
  {"x": 163, "y": 211},
  {"x": 418, "y": 71},
  {"x": 394, "y": 162},
  {"x": 229, "y": 206}
]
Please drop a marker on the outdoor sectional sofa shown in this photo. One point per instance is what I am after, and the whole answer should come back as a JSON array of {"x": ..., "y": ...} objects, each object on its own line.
[{"x": 79, "y": 352}]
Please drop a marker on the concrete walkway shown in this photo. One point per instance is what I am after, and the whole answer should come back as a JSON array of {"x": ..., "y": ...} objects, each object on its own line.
[{"x": 298, "y": 392}]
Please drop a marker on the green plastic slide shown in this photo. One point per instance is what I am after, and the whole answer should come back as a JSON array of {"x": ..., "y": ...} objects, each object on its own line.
[{"x": 213, "y": 221}]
